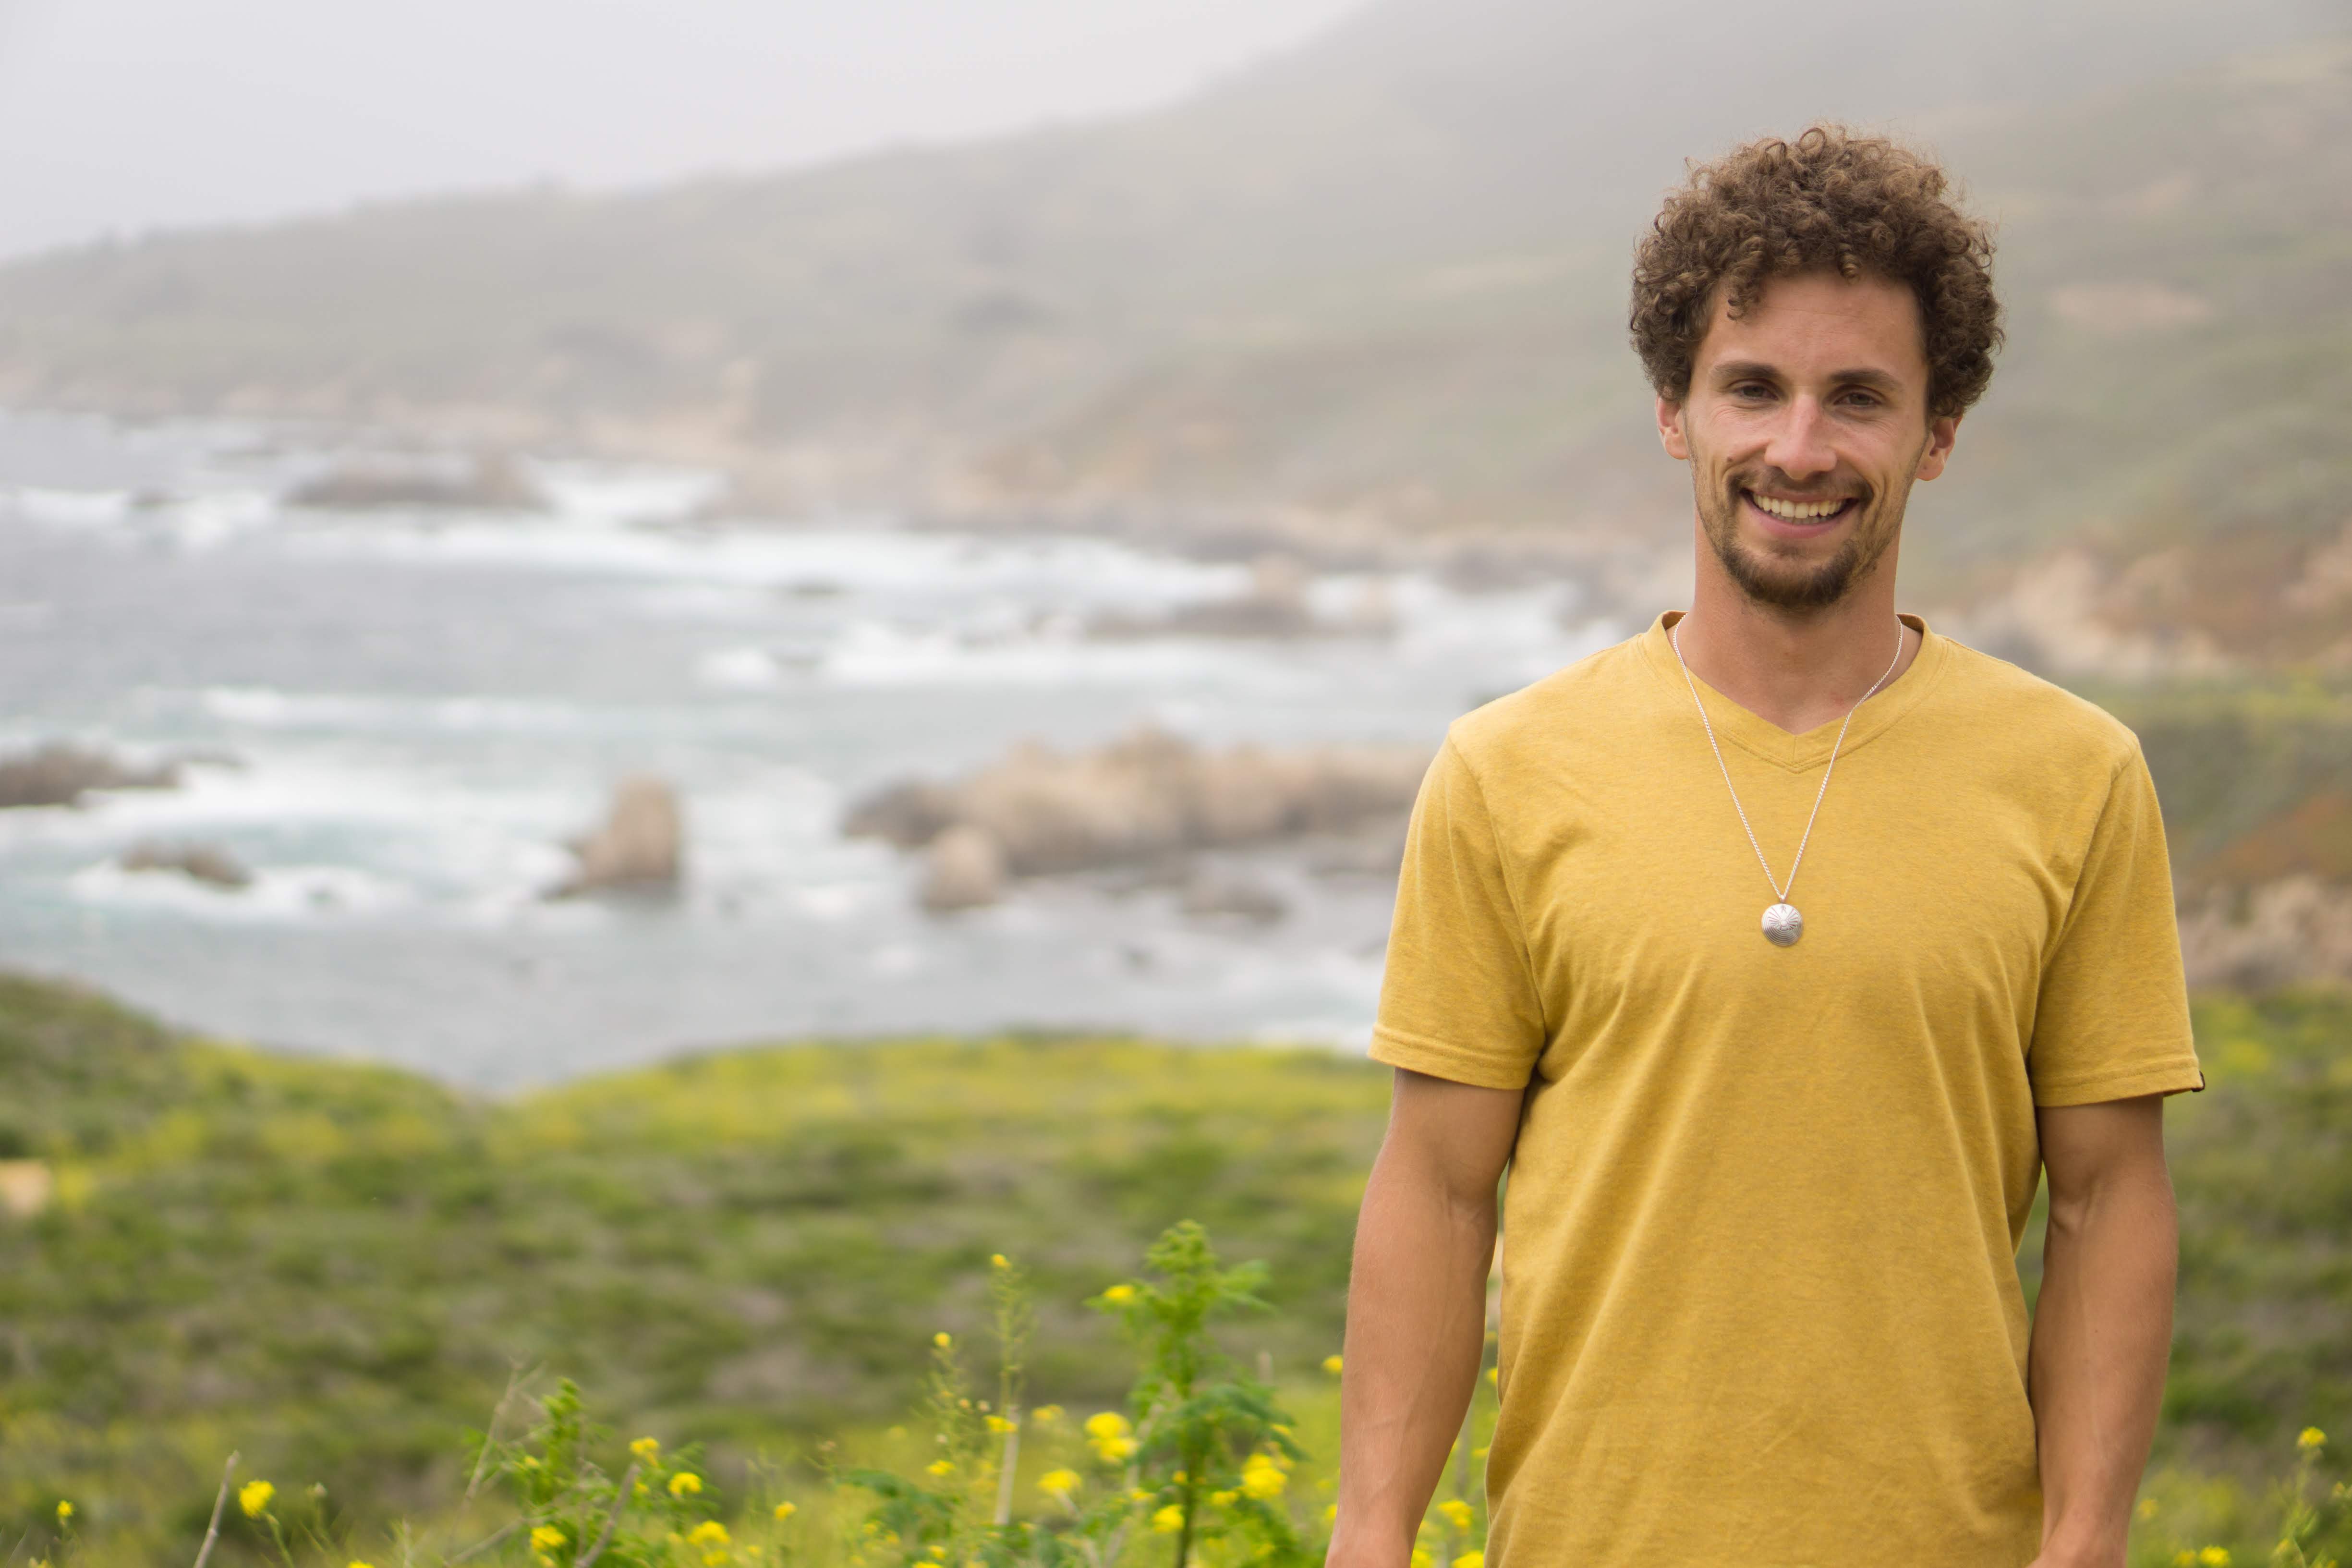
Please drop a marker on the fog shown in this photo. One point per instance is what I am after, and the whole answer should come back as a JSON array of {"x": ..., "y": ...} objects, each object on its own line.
[{"x": 124, "y": 115}]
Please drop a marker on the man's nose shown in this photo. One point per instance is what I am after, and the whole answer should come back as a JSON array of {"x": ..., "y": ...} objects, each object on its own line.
[{"x": 1800, "y": 446}]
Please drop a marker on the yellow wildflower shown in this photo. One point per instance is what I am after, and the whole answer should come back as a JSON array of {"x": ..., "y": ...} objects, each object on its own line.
[
  {"x": 943, "y": 1338},
  {"x": 646, "y": 1449},
  {"x": 786, "y": 1511},
  {"x": 1222, "y": 1499},
  {"x": 355, "y": 1562},
  {"x": 2147, "y": 1508},
  {"x": 686, "y": 1483},
  {"x": 1421, "y": 1559},
  {"x": 1168, "y": 1519},
  {"x": 1107, "y": 1424},
  {"x": 1115, "y": 1450},
  {"x": 2214, "y": 1557},
  {"x": 941, "y": 1466},
  {"x": 65, "y": 1511},
  {"x": 999, "y": 1425},
  {"x": 710, "y": 1532},
  {"x": 254, "y": 1498},
  {"x": 1457, "y": 1512},
  {"x": 1478, "y": 1453},
  {"x": 1120, "y": 1295},
  {"x": 1046, "y": 1413},
  {"x": 1331, "y": 1364},
  {"x": 546, "y": 1537},
  {"x": 1138, "y": 1495},
  {"x": 1059, "y": 1484},
  {"x": 2311, "y": 1437},
  {"x": 1471, "y": 1560},
  {"x": 1262, "y": 1478},
  {"x": 1495, "y": 1376},
  {"x": 998, "y": 1260}
]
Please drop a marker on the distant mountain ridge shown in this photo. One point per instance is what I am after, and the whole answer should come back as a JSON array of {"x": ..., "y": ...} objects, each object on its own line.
[{"x": 1377, "y": 285}]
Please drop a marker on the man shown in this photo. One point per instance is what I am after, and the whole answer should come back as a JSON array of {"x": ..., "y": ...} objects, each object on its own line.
[{"x": 1773, "y": 1140}]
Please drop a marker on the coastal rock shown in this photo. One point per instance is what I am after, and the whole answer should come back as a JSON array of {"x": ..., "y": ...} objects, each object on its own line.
[
  {"x": 61, "y": 773},
  {"x": 491, "y": 482},
  {"x": 1147, "y": 797},
  {"x": 908, "y": 815},
  {"x": 639, "y": 847},
  {"x": 2290, "y": 931},
  {"x": 965, "y": 870},
  {"x": 205, "y": 863},
  {"x": 25, "y": 1188},
  {"x": 1243, "y": 897}
]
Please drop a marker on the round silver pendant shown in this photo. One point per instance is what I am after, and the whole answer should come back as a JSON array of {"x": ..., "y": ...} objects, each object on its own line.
[{"x": 1783, "y": 925}]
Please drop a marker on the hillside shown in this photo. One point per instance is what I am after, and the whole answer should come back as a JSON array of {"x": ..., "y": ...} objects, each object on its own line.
[
  {"x": 333, "y": 1269},
  {"x": 1378, "y": 286}
]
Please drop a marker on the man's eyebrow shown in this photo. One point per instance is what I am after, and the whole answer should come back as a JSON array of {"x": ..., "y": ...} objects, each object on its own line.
[{"x": 1745, "y": 369}]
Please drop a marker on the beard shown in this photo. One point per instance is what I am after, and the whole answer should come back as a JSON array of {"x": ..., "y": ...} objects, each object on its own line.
[{"x": 1783, "y": 582}]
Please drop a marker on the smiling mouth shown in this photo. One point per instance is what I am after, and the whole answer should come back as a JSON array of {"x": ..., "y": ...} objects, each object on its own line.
[{"x": 1825, "y": 511}]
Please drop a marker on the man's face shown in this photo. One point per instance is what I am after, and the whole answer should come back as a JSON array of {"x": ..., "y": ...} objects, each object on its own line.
[{"x": 1805, "y": 426}]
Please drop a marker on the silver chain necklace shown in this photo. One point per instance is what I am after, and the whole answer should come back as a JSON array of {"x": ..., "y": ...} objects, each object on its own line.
[{"x": 1783, "y": 924}]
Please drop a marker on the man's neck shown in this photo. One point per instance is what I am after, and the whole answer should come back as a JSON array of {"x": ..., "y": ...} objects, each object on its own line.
[{"x": 1796, "y": 669}]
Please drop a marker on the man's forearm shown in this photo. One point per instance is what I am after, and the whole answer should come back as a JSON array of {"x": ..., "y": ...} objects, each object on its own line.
[
  {"x": 2102, "y": 1336},
  {"x": 1417, "y": 1330}
]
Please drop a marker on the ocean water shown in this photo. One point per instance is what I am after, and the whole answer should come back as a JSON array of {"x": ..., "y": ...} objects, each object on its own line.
[{"x": 405, "y": 713}]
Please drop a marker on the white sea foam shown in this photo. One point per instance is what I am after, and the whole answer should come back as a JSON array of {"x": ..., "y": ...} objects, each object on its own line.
[
  {"x": 739, "y": 668},
  {"x": 875, "y": 653},
  {"x": 208, "y": 521},
  {"x": 268, "y": 707},
  {"x": 612, "y": 494},
  {"x": 70, "y": 509},
  {"x": 276, "y": 893}
]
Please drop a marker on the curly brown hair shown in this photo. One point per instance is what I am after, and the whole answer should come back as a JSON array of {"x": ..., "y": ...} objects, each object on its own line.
[{"x": 1831, "y": 201}]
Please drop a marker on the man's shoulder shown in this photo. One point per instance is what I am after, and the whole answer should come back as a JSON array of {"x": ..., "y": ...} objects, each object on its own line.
[
  {"x": 2020, "y": 709},
  {"x": 1541, "y": 722}
]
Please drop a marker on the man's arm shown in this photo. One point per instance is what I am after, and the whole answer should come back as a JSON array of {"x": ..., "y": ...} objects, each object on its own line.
[
  {"x": 2103, "y": 1326},
  {"x": 1416, "y": 1308}
]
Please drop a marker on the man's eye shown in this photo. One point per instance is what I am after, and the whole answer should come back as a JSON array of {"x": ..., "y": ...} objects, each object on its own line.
[{"x": 1751, "y": 389}]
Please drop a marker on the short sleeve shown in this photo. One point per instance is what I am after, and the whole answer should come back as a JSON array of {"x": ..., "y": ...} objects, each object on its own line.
[
  {"x": 2113, "y": 1020},
  {"x": 1458, "y": 999}
]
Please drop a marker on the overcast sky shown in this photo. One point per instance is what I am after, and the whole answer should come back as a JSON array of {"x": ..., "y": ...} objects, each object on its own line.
[{"x": 118, "y": 116}]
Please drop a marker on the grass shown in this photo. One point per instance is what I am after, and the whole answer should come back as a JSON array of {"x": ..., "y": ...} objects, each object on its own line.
[{"x": 335, "y": 1270}]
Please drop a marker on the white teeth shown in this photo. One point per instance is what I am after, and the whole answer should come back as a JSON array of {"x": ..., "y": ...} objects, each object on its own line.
[{"x": 1796, "y": 510}]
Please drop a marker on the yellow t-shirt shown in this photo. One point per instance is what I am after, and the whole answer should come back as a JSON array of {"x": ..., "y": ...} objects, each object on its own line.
[{"x": 1760, "y": 1302}]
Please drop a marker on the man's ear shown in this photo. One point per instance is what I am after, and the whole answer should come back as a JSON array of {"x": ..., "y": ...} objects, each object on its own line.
[
  {"x": 1670, "y": 429},
  {"x": 1941, "y": 434}
]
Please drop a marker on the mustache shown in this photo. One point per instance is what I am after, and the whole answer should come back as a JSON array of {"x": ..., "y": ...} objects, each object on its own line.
[{"x": 1771, "y": 482}]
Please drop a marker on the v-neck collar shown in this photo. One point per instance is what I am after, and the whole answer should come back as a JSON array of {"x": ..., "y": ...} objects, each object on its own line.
[{"x": 1759, "y": 737}]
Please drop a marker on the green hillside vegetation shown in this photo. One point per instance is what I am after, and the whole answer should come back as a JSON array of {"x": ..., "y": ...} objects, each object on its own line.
[
  {"x": 2256, "y": 779},
  {"x": 334, "y": 1269},
  {"x": 1373, "y": 289}
]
